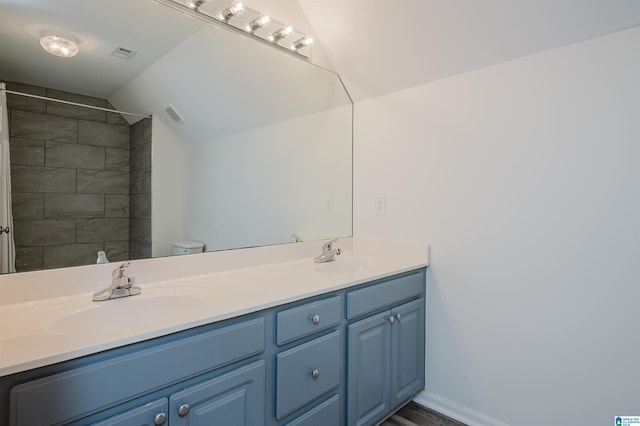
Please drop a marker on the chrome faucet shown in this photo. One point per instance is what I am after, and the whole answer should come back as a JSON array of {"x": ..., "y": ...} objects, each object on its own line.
[
  {"x": 121, "y": 285},
  {"x": 328, "y": 253}
]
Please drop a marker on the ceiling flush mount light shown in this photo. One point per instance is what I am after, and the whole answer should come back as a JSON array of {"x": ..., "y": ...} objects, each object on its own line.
[
  {"x": 303, "y": 42},
  {"x": 258, "y": 23},
  {"x": 278, "y": 35},
  {"x": 60, "y": 46},
  {"x": 234, "y": 9}
]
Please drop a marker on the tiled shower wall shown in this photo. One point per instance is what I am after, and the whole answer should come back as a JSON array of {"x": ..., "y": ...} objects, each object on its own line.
[
  {"x": 70, "y": 180},
  {"x": 140, "y": 190}
]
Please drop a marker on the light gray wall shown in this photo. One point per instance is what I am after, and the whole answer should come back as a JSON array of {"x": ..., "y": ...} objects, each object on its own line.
[{"x": 523, "y": 177}]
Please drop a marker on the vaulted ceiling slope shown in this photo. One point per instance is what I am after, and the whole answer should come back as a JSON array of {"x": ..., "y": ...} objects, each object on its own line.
[{"x": 382, "y": 46}]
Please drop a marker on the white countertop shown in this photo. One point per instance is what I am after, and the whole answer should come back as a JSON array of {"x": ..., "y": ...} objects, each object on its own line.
[{"x": 48, "y": 316}]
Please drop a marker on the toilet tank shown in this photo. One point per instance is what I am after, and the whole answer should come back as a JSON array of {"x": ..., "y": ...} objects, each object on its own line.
[{"x": 187, "y": 247}]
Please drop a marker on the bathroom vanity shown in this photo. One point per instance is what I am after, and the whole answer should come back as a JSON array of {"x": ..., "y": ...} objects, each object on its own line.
[{"x": 340, "y": 343}]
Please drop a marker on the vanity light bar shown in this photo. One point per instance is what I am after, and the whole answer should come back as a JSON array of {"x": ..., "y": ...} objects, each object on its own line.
[{"x": 236, "y": 16}]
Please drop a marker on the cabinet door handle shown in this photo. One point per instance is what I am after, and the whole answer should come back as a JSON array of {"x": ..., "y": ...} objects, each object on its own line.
[
  {"x": 392, "y": 319},
  {"x": 315, "y": 373},
  {"x": 183, "y": 410},
  {"x": 398, "y": 317},
  {"x": 315, "y": 318},
  {"x": 159, "y": 419}
]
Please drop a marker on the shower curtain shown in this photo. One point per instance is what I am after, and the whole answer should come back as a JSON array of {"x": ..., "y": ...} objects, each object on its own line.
[{"x": 7, "y": 245}]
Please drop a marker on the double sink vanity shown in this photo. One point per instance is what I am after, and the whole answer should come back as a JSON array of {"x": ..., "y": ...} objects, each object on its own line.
[{"x": 260, "y": 336}]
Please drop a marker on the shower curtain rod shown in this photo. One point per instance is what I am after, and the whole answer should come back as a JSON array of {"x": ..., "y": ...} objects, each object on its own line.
[{"x": 29, "y": 95}]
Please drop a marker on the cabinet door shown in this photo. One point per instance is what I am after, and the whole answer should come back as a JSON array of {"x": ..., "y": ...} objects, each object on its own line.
[
  {"x": 233, "y": 399},
  {"x": 368, "y": 370},
  {"x": 407, "y": 351},
  {"x": 151, "y": 414}
]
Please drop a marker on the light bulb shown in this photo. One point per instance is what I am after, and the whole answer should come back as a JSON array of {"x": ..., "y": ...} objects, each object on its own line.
[
  {"x": 304, "y": 41},
  {"x": 59, "y": 46},
  {"x": 258, "y": 23},
  {"x": 281, "y": 33}
]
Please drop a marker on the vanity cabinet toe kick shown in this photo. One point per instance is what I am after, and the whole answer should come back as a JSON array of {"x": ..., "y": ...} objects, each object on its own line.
[{"x": 345, "y": 358}]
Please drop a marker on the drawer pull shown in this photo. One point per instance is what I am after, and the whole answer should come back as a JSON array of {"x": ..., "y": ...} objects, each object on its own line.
[
  {"x": 315, "y": 373},
  {"x": 183, "y": 410},
  {"x": 315, "y": 319},
  {"x": 160, "y": 419}
]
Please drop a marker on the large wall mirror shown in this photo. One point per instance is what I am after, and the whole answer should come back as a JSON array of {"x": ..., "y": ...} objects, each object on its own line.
[{"x": 247, "y": 145}]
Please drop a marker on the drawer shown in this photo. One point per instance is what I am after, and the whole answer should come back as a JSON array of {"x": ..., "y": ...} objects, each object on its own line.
[
  {"x": 296, "y": 383},
  {"x": 88, "y": 389},
  {"x": 384, "y": 294},
  {"x": 306, "y": 319},
  {"x": 327, "y": 413}
]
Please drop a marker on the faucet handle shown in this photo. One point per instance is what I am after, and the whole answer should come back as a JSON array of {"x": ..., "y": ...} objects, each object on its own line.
[
  {"x": 121, "y": 274},
  {"x": 329, "y": 246}
]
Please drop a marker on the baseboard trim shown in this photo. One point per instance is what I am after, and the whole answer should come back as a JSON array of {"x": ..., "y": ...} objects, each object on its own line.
[{"x": 454, "y": 410}]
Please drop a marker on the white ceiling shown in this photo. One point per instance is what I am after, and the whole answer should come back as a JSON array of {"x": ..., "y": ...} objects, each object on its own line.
[
  {"x": 100, "y": 26},
  {"x": 377, "y": 46},
  {"x": 382, "y": 46}
]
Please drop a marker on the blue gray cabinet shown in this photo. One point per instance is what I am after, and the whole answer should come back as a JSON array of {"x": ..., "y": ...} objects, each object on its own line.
[
  {"x": 234, "y": 399},
  {"x": 151, "y": 414},
  {"x": 385, "y": 365},
  {"x": 346, "y": 358}
]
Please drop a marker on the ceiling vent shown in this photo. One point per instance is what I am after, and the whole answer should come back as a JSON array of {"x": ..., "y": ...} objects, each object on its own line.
[
  {"x": 123, "y": 53},
  {"x": 174, "y": 114}
]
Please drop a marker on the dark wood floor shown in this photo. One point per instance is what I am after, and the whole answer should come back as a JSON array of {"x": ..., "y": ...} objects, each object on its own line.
[{"x": 413, "y": 414}]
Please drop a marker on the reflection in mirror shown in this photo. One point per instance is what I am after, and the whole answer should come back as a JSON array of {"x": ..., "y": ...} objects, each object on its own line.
[{"x": 250, "y": 145}]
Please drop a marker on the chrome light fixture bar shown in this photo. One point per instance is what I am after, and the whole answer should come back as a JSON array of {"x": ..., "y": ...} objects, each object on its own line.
[{"x": 234, "y": 15}]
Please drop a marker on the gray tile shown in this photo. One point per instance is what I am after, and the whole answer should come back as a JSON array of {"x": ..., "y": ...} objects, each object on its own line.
[
  {"x": 64, "y": 256},
  {"x": 115, "y": 118},
  {"x": 72, "y": 111},
  {"x": 103, "y": 182},
  {"x": 141, "y": 181},
  {"x": 33, "y": 125},
  {"x": 116, "y": 205},
  {"x": 117, "y": 159},
  {"x": 140, "y": 231},
  {"x": 73, "y": 206},
  {"x": 42, "y": 179},
  {"x": 26, "y": 152},
  {"x": 27, "y": 205},
  {"x": 44, "y": 232},
  {"x": 140, "y": 205},
  {"x": 117, "y": 251},
  {"x": 141, "y": 157},
  {"x": 106, "y": 229},
  {"x": 25, "y": 103},
  {"x": 28, "y": 259},
  {"x": 137, "y": 134},
  {"x": 74, "y": 156},
  {"x": 139, "y": 251},
  {"x": 103, "y": 134}
]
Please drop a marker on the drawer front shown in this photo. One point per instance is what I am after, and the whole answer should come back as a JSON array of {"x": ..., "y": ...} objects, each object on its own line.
[
  {"x": 379, "y": 296},
  {"x": 306, "y": 319},
  {"x": 327, "y": 413},
  {"x": 307, "y": 372},
  {"x": 93, "y": 387}
]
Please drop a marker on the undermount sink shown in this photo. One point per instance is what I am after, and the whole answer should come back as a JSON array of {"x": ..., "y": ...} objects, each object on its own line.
[
  {"x": 350, "y": 265},
  {"x": 81, "y": 316}
]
